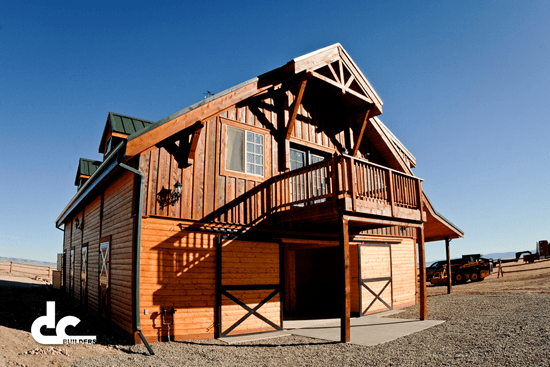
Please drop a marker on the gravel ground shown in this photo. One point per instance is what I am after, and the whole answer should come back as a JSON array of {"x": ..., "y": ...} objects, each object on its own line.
[{"x": 501, "y": 330}]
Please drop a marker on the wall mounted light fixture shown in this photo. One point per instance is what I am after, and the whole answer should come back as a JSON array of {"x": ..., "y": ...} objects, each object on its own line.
[
  {"x": 78, "y": 224},
  {"x": 166, "y": 197}
]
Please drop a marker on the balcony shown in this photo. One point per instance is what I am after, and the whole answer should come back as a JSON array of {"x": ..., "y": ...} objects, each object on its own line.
[{"x": 322, "y": 192}]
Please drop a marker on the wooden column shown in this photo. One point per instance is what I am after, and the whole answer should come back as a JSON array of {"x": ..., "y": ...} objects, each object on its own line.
[
  {"x": 422, "y": 273},
  {"x": 346, "y": 302},
  {"x": 449, "y": 274}
]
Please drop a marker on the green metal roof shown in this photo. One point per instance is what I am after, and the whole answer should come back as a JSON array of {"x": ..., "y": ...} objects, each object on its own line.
[
  {"x": 123, "y": 125},
  {"x": 86, "y": 167},
  {"x": 127, "y": 125}
]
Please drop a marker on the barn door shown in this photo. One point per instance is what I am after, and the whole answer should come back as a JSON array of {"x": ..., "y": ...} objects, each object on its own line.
[
  {"x": 375, "y": 278},
  {"x": 248, "y": 287},
  {"x": 104, "y": 278},
  {"x": 84, "y": 275}
]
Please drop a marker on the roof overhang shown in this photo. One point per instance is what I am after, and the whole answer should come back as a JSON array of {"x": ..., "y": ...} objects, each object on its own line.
[
  {"x": 437, "y": 227},
  {"x": 105, "y": 169}
]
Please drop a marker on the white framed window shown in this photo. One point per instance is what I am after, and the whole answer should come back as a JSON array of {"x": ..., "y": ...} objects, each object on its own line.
[{"x": 245, "y": 151}]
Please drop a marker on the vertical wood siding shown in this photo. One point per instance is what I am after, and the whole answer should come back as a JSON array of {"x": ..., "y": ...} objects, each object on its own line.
[{"x": 205, "y": 189}]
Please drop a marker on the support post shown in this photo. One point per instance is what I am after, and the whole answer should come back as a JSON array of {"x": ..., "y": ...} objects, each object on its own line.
[
  {"x": 346, "y": 302},
  {"x": 449, "y": 272},
  {"x": 422, "y": 273}
]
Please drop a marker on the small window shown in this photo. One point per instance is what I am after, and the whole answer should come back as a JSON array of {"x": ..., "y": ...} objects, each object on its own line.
[{"x": 245, "y": 151}]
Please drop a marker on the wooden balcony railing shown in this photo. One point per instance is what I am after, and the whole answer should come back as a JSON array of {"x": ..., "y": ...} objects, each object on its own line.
[{"x": 363, "y": 187}]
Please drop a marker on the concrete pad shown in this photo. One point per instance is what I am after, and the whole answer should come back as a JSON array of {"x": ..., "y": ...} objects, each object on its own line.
[
  {"x": 253, "y": 337},
  {"x": 368, "y": 330}
]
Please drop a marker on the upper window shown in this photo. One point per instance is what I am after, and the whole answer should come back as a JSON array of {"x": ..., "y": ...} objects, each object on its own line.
[{"x": 245, "y": 151}]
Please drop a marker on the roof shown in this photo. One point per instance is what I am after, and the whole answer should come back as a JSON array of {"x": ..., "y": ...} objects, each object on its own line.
[
  {"x": 123, "y": 125},
  {"x": 86, "y": 168},
  {"x": 437, "y": 227},
  {"x": 311, "y": 62}
]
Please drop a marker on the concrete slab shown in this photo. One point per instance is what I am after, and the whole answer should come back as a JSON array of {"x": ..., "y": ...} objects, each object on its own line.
[{"x": 368, "y": 330}]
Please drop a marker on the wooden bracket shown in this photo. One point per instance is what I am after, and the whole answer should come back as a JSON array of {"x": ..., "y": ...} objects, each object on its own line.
[
  {"x": 360, "y": 136},
  {"x": 294, "y": 109},
  {"x": 183, "y": 145}
]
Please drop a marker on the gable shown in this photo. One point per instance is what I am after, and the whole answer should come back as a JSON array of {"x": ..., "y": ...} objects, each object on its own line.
[
  {"x": 121, "y": 126},
  {"x": 347, "y": 80},
  {"x": 86, "y": 168}
]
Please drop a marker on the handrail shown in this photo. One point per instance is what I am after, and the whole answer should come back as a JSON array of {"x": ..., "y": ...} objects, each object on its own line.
[{"x": 330, "y": 179}]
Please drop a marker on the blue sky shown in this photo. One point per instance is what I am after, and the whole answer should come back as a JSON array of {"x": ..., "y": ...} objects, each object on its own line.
[{"x": 465, "y": 86}]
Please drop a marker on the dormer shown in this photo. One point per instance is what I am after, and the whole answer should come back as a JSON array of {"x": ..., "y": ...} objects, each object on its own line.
[
  {"x": 86, "y": 168},
  {"x": 117, "y": 129}
]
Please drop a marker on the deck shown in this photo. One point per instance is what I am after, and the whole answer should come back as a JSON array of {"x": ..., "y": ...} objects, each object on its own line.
[{"x": 368, "y": 193}]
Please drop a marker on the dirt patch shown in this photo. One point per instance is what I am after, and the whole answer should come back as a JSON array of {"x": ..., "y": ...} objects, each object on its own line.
[{"x": 22, "y": 300}]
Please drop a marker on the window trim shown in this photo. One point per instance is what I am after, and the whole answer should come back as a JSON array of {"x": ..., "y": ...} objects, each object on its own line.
[{"x": 224, "y": 122}]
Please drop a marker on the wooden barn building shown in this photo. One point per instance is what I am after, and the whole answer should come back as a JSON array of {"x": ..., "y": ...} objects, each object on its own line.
[{"x": 282, "y": 197}]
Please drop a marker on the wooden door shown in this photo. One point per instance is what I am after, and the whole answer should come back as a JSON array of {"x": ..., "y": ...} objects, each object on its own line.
[
  {"x": 310, "y": 185},
  {"x": 104, "y": 279},
  {"x": 84, "y": 275},
  {"x": 248, "y": 287},
  {"x": 375, "y": 278}
]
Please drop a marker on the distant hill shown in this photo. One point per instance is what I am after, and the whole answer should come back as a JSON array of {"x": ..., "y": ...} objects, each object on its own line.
[{"x": 29, "y": 262}]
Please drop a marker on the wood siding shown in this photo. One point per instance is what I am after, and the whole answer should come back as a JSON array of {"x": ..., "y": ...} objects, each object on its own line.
[
  {"x": 207, "y": 186},
  {"x": 250, "y": 263},
  {"x": 91, "y": 237},
  {"x": 178, "y": 269},
  {"x": 380, "y": 261},
  {"x": 107, "y": 214}
]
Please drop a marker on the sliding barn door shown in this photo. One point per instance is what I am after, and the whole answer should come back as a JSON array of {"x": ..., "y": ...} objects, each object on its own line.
[
  {"x": 375, "y": 278},
  {"x": 249, "y": 287}
]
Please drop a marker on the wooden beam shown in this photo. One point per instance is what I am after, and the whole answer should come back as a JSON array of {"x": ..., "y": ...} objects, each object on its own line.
[
  {"x": 184, "y": 151},
  {"x": 333, "y": 72},
  {"x": 346, "y": 301},
  {"x": 423, "y": 298},
  {"x": 194, "y": 141},
  {"x": 295, "y": 108},
  {"x": 350, "y": 80},
  {"x": 341, "y": 67},
  {"x": 448, "y": 252},
  {"x": 339, "y": 86},
  {"x": 359, "y": 137}
]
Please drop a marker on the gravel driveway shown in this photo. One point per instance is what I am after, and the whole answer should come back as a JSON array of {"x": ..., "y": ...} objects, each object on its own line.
[{"x": 495, "y": 329}]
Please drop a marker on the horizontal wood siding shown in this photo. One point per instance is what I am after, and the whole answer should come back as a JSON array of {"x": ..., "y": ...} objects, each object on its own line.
[
  {"x": 76, "y": 236},
  {"x": 91, "y": 237},
  {"x": 118, "y": 222},
  {"x": 354, "y": 276},
  {"x": 376, "y": 263},
  {"x": 67, "y": 235},
  {"x": 250, "y": 263},
  {"x": 178, "y": 269},
  {"x": 404, "y": 273}
]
